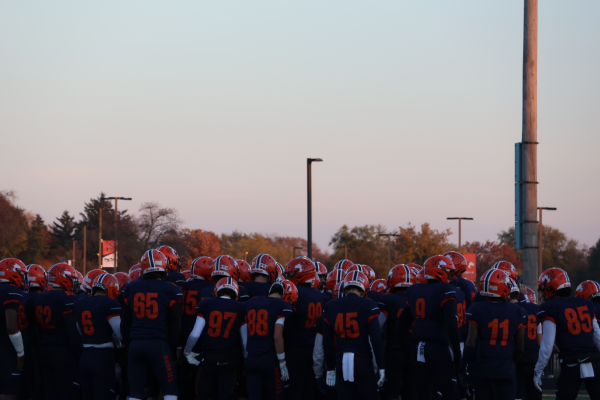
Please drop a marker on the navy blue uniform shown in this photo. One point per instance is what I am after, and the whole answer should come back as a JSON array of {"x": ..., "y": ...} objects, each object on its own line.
[
  {"x": 299, "y": 337},
  {"x": 526, "y": 364},
  {"x": 220, "y": 347},
  {"x": 61, "y": 344},
  {"x": 10, "y": 299},
  {"x": 400, "y": 375},
  {"x": 175, "y": 277},
  {"x": 431, "y": 339},
  {"x": 256, "y": 288},
  {"x": 351, "y": 321},
  {"x": 32, "y": 371},
  {"x": 152, "y": 322},
  {"x": 326, "y": 297},
  {"x": 575, "y": 340},
  {"x": 262, "y": 367},
  {"x": 468, "y": 288},
  {"x": 497, "y": 324},
  {"x": 97, "y": 364}
]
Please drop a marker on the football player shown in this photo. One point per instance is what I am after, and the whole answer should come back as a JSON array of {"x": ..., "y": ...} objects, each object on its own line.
[
  {"x": 61, "y": 344},
  {"x": 589, "y": 290},
  {"x": 151, "y": 323},
  {"x": 434, "y": 339},
  {"x": 461, "y": 264},
  {"x": 333, "y": 278},
  {"x": 98, "y": 319},
  {"x": 223, "y": 318},
  {"x": 495, "y": 340},
  {"x": 322, "y": 273},
  {"x": 12, "y": 350},
  {"x": 571, "y": 321},
  {"x": 300, "y": 329},
  {"x": 173, "y": 265},
  {"x": 226, "y": 267},
  {"x": 352, "y": 323},
  {"x": 266, "y": 369},
  {"x": 526, "y": 364},
  {"x": 264, "y": 273}
]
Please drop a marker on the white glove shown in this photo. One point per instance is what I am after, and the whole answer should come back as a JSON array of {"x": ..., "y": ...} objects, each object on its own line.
[
  {"x": 285, "y": 375},
  {"x": 537, "y": 381},
  {"x": 381, "y": 377},
  {"x": 191, "y": 358},
  {"x": 331, "y": 378}
]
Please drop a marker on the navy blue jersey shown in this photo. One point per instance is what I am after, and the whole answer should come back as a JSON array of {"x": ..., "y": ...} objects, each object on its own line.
[
  {"x": 319, "y": 325},
  {"x": 350, "y": 322},
  {"x": 191, "y": 298},
  {"x": 150, "y": 301},
  {"x": 425, "y": 302},
  {"x": 223, "y": 317},
  {"x": 50, "y": 310},
  {"x": 257, "y": 288},
  {"x": 175, "y": 277},
  {"x": 10, "y": 299},
  {"x": 83, "y": 295},
  {"x": 461, "y": 311},
  {"x": 394, "y": 304},
  {"x": 92, "y": 315},
  {"x": 531, "y": 342},
  {"x": 377, "y": 298},
  {"x": 27, "y": 322},
  {"x": 573, "y": 317},
  {"x": 522, "y": 297},
  {"x": 468, "y": 289},
  {"x": 300, "y": 329},
  {"x": 478, "y": 298},
  {"x": 326, "y": 297},
  {"x": 596, "y": 307},
  {"x": 497, "y": 324},
  {"x": 261, "y": 315}
]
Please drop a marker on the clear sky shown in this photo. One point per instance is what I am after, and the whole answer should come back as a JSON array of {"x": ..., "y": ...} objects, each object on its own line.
[{"x": 212, "y": 107}]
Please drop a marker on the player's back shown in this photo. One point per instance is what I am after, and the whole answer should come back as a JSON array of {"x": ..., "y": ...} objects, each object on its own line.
[
  {"x": 93, "y": 315},
  {"x": 175, "y": 277},
  {"x": 150, "y": 301},
  {"x": 10, "y": 296},
  {"x": 223, "y": 317},
  {"x": 300, "y": 329},
  {"x": 394, "y": 304},
  {"x": 426, "y": 302},
  {"x": 192, "y": 291},
  {"x": 27, "y": 322},
  {"x": 262, "y": 314},
  {"x": 531, "y": 327},
  {"x": 326, "y": 297},
  {"x": 50, "y": 309},
  {"x": 255, "y": 289}
]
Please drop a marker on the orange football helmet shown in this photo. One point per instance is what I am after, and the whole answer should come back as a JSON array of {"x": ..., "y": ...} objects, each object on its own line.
[
  {"x": 37, "y": 277},
  {"x": 531, "y": 296},
  {"x": 337, "y": 291},
  {"x": 108, "y": 283},
  {"x": 153, "y": 261},
  {"x": 401, "y": 276},
  {"x": 439, "y": 268},
  {"x": 13, "y": 271},
  {"x": 459, "y": 261},
  {"x": 552, "y": 280},
  {"x": 136, "y": 266},
  {"x": 380, "y": 286},
  {"x": 225, "y": 266},
  {"x": 317, "y": 282},
  {"x": 123, "y": 279},
  {"x": 63, "y": 276},
  {"x": 202, "y": 268},
  {"x": 358, "y": 280},
  {"x": 290, "y": 292},
  {"x": 336, "y": 276},
  {"x": 510, "y": 269},
  {"x": 264, "y": 264},
  {"x": 495, "y": 283},
  {"x": 88, "y": 281},
  {"x": 135, "y": 274},
  {"x": 321, "y": 270},
  {"x": 244, "y": 268},
  {"x": 343, "y": 265},
  {"x": 301, "y": 270},
  {"x": 173, "y": 260},
  {"x": 227, "y": 283},
  {"x": 588, "y": 290}
]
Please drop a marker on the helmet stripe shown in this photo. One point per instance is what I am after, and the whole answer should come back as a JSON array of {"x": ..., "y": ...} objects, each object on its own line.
[
  {"x": 597, "y": 286},
  {"x": 151, "y": 258},
  {"x": 407, "y": 273}
]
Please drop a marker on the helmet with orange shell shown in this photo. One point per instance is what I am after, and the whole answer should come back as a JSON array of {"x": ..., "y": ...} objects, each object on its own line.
[
  {"x": 153, "y": 261},
  {"x": 510, "y": 269},
  {"x": 186, "y": 274},
  {"x": 173, "y": 260},
  {"x": 417, "y": 266},
  {"x": 343, "y": 265},
  {"x": 13, "y": 271},
  {"x": 495, "y": 283},
  {"x": 136, "y": 266},
  {"x": 439, "y": 268},
  {"x": 300, "y": 271},
  {"x": 202, "y": 268},
  {"x": 551, "y": 281},
  {"x": 264, "y": 264},
  {"x": 135, "y": 274},
  {"x": 281, "y": 270},
  {"x": 588, "y": 290},
  {"x": 317, "y": 282},
  {"x": 89, "y": 279},
  {"x": 229, "y": 283},
  {"x": 37, "y": 277},
  {"x": 244, "y": 269},
  {"x": 355, "y": 267},
  {"x": 401, "y": 276},
  {"x": 108, "y": 283},
  {"x": 358, "y": 280},
  {"x": 380, "y": 286},
  {"x": 531, "y": 296},
  {"x": 290, "y": 292},
  {"x": 459, "y": 261},
  {"x": 123, "y": 279},
  {"x": 421, "y": 277},
  {"x": 514, "y": 288},
  {"x": 336, "y": 276},
  {"x": 337, "y": 291},
  {"x": 369, "y": 272},
  {"x": 225, "y": 266},
  {"x": 415, "y": 270},
  {"x": 321, "y": 270},
  {"x": 63, "y": 276}
]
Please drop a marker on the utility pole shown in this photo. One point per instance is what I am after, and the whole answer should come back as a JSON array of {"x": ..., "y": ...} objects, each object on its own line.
[
  {"x": 309, "y": 161},
  {"x": 460, "y": 229},
  {"x": 540, "y": 242},
  {"x": 100, "y": 237},
  {"x": 529, "y": 145},
  {"x": 73, "y": 253},
  {"x": 116, "y": 227},
  {"x": 84, "y": 247},
  {"x": 389, "y": 235}
]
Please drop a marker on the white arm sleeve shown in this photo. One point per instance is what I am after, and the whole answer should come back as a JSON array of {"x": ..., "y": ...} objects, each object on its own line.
[
  {"x": 596, "y": 334},
  {"x": 244, "y": 336},
  {"x": 194, "y": 335},
  {"x": 546, "y": 347},
  {"x": 382, "y": 319},
  {"x": 115, "y": 324},
  {"x": 280, "y": 321},
  {"x": 318, "y": 356}
]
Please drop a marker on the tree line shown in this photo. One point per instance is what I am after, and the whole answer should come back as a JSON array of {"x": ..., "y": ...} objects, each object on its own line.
[{"x": 28, "y": 237}]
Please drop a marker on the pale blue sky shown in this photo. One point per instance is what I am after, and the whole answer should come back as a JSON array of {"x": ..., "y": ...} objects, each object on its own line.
[{"x": 212, "y": 107}]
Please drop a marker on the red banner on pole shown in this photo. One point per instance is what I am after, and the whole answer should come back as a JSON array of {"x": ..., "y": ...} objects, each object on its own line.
[
  {"x": 108, "y": 254},
  {"x": 471, "y": 272}
]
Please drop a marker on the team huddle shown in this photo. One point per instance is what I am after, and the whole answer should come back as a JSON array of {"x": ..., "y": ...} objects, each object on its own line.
[{"x": 225, "y": 329}]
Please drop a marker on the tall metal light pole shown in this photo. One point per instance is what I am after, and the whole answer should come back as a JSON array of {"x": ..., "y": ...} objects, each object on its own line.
[
  {"x": 100, "y": 237},
  {"x": 460, "y": 229},
  {"x": 389, "y": 235},
  {"x": 309, "y": 161},
  {"x": 294, "y": 250},
  {"x": 116, "y": 227},
  {"x": 540, "y": 232}
]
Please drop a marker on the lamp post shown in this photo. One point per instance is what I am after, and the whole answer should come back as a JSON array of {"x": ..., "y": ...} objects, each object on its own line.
[
  {"x": 309, "y": 161},
  {"x": 100, "y": 235},
  {"x": 346, "y": 248},
  {"x": 116, "y": 227},
  {"x": 460, "y": 229},
  {"x": 389, "y": 235},
  {"x": 294, "y": 250},
  {"x": 540, "y": 244}
]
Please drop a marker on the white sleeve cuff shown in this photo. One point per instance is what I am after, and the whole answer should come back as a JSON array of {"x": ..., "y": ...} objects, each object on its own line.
[{"x": 17, "y": 341}]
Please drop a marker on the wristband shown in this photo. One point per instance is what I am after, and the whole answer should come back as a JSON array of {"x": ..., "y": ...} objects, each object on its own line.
[
  {"x": 281, "y": 356},
  {"x": 17, "y": 341}
]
